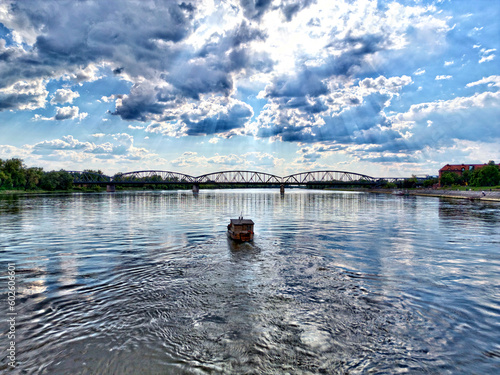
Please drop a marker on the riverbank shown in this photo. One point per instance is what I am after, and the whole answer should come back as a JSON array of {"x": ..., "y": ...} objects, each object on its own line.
[
  {"x": 34, "y": 192},
  {"x": 488, "y": 195}
]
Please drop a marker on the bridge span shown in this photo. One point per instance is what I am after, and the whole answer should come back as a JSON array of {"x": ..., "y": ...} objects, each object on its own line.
[{"x": 230, "y": 178}]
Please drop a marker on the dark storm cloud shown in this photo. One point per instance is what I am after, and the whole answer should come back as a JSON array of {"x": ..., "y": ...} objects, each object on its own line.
[
  {"x": 141, "y": 40},
  {"x": 14, "y": 101},
  {"x": 23, "y": 95},
  {"x": 305, "y": 83},
  {"x": 206, "y": 71},
  {"x": 187, "y": 7},
  {"x": 255, "y": 9},
  {"x": 240, "y": 35},
  {"x": 118, "y": 71},
  {"x": 245, "y": 34},
  {"x": 305, "y": 105},
  {"x": 230, "y": 53},
  {"x": 360, "y": 124},
  {"x": 74, "y": 34},
  {"x": 290, "y": 9},
  {"x": 235, "y": 118},
  {"x": 144, "y": 100},
  {"x": 305, "y": 90},
  {"x": 310, "y": 81},
  {"x": 197, "y": 78}
]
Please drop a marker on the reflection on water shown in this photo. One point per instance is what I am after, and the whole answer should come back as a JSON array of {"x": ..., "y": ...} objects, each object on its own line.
[{"x": 333, "y": 282}]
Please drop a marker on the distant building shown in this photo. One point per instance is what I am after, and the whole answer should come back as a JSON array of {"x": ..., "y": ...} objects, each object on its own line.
[{"x": 459, "y": 169}]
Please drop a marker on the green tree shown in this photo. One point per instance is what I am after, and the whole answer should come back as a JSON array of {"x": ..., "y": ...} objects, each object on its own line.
[
  {"x": 65, "y": 180},
  {"x": 33, "y": 177},
  {"x": 410, "y": 182},
  {"x": 449, "y": 178},
  {"x": 488, "y": 175},
  {"x": 5, "y": 180},
  {"x": 16, "y": 170},
  {"x": 430, "y": 181},
  {"x": 49, "y": 181},
  {"x": 56, "y": 180}
]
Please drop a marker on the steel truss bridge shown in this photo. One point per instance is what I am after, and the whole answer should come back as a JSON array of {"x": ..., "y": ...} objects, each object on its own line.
[{"x": 232, "y": 178}]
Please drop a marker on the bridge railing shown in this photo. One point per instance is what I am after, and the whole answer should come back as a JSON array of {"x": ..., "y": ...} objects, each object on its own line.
[
  {"x": 238, "y": 177},
  {"x": 84, "y": 177},
  {"x": 327, "y": 177}
]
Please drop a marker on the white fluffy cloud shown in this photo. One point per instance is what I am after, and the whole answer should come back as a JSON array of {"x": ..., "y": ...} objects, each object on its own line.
[
  {"x": 490, "y": 81},
  {"x": 63, "y": 113},
  {"x": 24, "y": 95},
  {"x": 113, "y": 148},
  {"x": 62, "y": 96}
]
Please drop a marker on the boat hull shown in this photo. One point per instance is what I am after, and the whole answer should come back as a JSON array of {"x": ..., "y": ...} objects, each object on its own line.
[{"x": 240, "y": 237}]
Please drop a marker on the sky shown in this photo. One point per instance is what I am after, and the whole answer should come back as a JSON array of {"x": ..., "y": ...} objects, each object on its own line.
[{"x": 382, "y": 88}]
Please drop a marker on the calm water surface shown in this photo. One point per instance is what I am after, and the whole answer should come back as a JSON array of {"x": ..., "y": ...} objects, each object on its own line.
[{"x": 148, "y": 283}]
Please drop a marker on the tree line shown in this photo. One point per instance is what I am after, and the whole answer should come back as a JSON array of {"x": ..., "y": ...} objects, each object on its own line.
[
  {"x": 488, "y": 175},
  {"x": 14, "y": 175}
]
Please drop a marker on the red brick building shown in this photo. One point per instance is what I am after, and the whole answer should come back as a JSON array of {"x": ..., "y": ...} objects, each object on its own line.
[{"x": 460, "y": 168}]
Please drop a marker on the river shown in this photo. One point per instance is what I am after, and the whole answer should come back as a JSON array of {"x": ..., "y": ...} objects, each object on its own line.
[{"x": 334, "y": 282}]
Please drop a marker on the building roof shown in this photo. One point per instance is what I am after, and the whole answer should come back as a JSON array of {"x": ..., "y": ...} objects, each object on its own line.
[
  {"x": 458, "y": 167},
  {"x": 242, "y": 222}
]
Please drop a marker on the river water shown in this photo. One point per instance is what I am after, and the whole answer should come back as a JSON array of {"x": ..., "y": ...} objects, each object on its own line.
[{"x": 334, "y": 282}]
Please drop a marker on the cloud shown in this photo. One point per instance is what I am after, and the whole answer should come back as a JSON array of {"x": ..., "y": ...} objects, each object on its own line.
[
  {"x": 65, "y": 143},
  {"x": 62, "y": 96},
  {"x": 461, "y": 118},
  {"x": 490, "y": 81},
  {"x": 119, "y": 146},
  {"x": 486, "y": 55},
  {"x": 291, "y": 7},
  {"x": 70, "y": 46},
  {"x": 384, "y": 85},
  {"x": 23, "y": 95},
  {"x": 235, "y": 117},
  {"x": 63, "y": 113},
  {"x": 345, "y": 116},
  {"x": 214, "y": 140},
  {"x": 248, "y": 161},
  {"x": 255, "y": 9},
  {"x": 141, "y": 104},
  {"x": 69, "y": 113},
  {"x": 312, "y": 72}
]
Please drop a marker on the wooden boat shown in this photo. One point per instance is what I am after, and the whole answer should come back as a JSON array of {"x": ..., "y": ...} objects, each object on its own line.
[
  {"x": 401, "y": 193},
  {"x": 240, "y": 229}
]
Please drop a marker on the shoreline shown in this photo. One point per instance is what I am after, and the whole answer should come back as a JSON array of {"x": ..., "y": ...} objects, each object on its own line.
[{"x": 490, "y": 196}]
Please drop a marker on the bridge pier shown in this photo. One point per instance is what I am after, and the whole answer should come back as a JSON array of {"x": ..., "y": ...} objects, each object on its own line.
[
  {"x": 282, "y": 189},
  {"x": 110, "y": 188},
  {"x": 196, "y": 188}
]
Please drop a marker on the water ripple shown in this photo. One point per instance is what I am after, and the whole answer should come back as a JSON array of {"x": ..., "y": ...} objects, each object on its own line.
[{"x": 333, "y": 283}]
